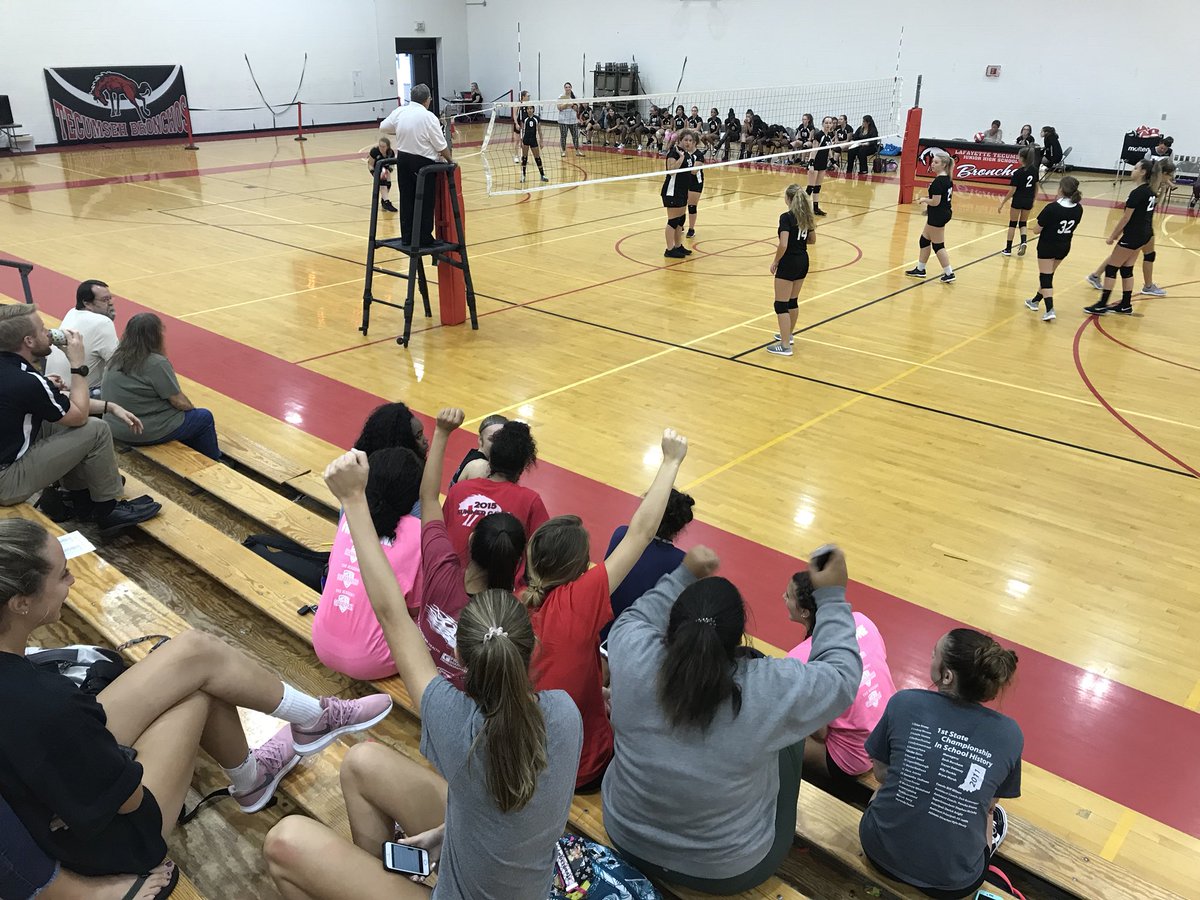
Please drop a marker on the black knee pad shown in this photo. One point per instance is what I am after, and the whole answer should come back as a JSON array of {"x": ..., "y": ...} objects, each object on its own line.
[
  {"x": 692, "y": 208},
  {"x": 1046, "y": 279},
  {"x": 677, "y": 222},
  {"x": 781, "y": 307},
  {"x": 808, "y": 189},
  {"x": 1012, "y": 223},
  {"x": 1110, "y": 271},
  {"x": 1126, "y": 271},
  {"x": 794, "y": 303},
  {"x": 923, "y": 242},
  {"x": 938, "y": 248},
  {"x": 1150, "y": 257}
]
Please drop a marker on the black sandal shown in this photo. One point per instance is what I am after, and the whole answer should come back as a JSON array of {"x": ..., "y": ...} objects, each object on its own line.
[{"x": 163, "y": 892}]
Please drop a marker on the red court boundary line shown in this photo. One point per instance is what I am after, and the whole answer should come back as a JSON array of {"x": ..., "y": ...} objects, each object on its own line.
[
  {"x": 1121, "y": 343},
  {"x": 1060, "y": 707},
  {"x": 1079, "y": 367}
]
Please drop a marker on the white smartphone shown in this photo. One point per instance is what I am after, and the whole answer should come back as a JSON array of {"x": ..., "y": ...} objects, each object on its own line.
[{"x": 405, "y": 859}]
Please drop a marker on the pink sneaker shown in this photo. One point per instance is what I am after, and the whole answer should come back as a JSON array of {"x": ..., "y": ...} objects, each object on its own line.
[
  {"x": 340, "y": 717},
  {"x": 275, "y": 758}
]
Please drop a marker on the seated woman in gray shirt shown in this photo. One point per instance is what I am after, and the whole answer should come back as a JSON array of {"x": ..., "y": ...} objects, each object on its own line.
[
  {"x": 709, "y": 744},
  {"x": 943, "y": 758},
  {"x": 140, "y": 378},
  {"x": 505, "y": 757}
]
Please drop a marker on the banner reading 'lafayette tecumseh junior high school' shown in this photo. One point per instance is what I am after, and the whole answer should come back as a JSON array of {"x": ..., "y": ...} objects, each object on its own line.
[{"x": 106, "y": 104}]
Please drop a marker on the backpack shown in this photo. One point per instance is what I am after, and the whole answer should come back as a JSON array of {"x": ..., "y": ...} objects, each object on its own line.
[
  {"x": 585, "y": 869},
  {"x": 309, "y": 567},
  {"x": 92, "y": 669}
]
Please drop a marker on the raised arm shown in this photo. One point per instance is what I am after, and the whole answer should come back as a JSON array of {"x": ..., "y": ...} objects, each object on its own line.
[
  {"x": 431, "y": 478},
  {"x": 645, "y": 522},
  {"x": 347, "y": 478}
]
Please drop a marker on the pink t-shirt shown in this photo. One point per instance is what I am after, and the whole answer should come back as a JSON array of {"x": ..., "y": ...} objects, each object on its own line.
[
  {"x": 346, "y": 635},
  {"x": 849, "y": 732}
]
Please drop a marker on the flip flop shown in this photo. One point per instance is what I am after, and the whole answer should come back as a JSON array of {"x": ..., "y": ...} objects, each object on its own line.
[{"x": 164, "y": 892}]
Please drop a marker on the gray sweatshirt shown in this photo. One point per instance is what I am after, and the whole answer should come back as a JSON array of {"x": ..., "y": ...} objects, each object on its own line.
[{"x": 703, "y": 802}]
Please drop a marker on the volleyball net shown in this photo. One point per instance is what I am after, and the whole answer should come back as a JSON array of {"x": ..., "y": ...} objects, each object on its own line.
[{"x": 624, "y": 138}]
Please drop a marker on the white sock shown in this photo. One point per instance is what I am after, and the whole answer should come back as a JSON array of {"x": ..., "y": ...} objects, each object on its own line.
[
  {"x": 949, "y": 270},
  {"x": 298, "y": 708},
  {"x": 245, "y": 777},
  {"x": 920, "y": 267}
]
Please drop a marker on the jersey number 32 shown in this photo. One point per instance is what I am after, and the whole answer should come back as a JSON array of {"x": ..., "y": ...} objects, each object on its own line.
[{"x": 1066, "y": 227}]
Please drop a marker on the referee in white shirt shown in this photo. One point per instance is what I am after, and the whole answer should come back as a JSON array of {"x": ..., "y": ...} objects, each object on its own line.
[{"x": 419, "y": 142}]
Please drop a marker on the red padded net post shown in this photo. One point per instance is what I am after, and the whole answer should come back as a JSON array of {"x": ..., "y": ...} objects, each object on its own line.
[
  {"x": 908, "y": 154},
  {"x": 452, "y": 287}
]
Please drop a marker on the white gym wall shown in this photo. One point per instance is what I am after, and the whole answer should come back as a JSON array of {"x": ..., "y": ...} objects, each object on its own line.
[
  {"x": 209, "y": 38},
  {"x": 1092, "y": 69}
]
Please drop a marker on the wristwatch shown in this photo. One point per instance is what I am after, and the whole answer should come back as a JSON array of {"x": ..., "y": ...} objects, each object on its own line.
[{"x": 82, "y": 370}]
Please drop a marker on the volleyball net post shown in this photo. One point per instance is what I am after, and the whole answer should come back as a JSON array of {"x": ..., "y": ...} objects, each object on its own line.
[
  {"x": 908, "y": 155},
  {"x": 624, "y": 137}
]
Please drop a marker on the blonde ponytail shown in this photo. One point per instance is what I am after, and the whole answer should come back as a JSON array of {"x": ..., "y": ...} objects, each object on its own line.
[
  {"x": 800, "y": 207},
  {"x": 557, "y": 554}
]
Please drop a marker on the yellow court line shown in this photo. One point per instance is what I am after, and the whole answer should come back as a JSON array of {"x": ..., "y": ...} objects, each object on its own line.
[
  {"x": 210, "y": 264},
  {"x": 840, "y": 407},
  {"x": 320, "y": 287},
  {"x": 1121, "y": 831},
  {"x": 574, "y": 384},
  {"x": 984, "y": 378},
  {"x": 1193, "y": 699}
]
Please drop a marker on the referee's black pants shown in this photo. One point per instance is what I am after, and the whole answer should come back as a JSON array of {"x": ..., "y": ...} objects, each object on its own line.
[{"x": 407, "y": 166}]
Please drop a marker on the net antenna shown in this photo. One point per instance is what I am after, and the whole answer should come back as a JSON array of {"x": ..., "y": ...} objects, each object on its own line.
[{"x": 628, "y": 145}]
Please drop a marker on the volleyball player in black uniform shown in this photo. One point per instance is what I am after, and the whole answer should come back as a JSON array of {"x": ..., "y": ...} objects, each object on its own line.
[
  {"x": 1133, "y": 232},
  {"x": 696, "y": 188},
  {"x": 382, "y": 150},
  {"x": 654, "y": 127},
  {"x": 675, "y": 125},
  {"x": 797, "y": 230},
  {"x": 710, "y": 135},
  {"x": 1055, "y": 226},
  {"x": 586, "y": 125},
  {"x": 529, "y": 122},
  {"x": 633, "y": 127},
  {"x": 843, "y": 133},
  {"x": 937, "y": 214},
  {"x": 1149, "y": 254},
  {"x": 731, "y": 133},
  {"x": 694, "y": 121},
  {"x": 1022, "y": 191},
  {"x": 805, "y": 132},
  {"x": 675, "y": 192},
  {"x": 816, "y": 173}
]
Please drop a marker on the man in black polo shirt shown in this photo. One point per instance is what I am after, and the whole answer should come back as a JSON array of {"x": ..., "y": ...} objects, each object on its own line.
[{"x": 47, "y": 435}]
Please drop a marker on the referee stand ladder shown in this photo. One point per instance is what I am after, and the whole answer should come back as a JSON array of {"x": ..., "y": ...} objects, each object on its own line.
[{"x": 440, "y": 184}]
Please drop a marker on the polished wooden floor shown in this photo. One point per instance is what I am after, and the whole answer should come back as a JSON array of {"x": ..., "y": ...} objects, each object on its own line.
[{"x": 1037, "y": 480}]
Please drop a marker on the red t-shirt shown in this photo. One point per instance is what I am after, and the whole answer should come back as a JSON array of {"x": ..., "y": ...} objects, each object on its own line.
[
  {"x": 469, "y": 501},
  {"x": 568, "y": 625},
  {"x": 440, "y": 598}
]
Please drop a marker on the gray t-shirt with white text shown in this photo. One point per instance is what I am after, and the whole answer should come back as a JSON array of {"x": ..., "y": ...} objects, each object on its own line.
[{"x": 947, "y": 761}]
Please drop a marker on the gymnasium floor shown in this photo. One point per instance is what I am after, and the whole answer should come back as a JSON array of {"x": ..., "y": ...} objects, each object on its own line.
[{"x": 1037, "y": 481}]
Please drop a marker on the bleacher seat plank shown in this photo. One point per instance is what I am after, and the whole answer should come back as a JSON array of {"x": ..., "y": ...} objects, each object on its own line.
[
  {"x": 312, "y": 485},
  {"x": 254, "y": 456},
  {"x": 244, "y": 494},
  {"x": 1073, "y": 869},
  {"x": 242, "y": 571},
  {"x": 829, "y": 825},
  {"x": 179, "y": 458}
]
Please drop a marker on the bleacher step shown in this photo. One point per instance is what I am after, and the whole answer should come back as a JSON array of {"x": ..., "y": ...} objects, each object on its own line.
[{"x": 244, "y": 494}]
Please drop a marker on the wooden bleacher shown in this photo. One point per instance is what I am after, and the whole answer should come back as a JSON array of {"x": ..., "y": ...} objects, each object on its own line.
[
  {"x": 258, "y": 502},
  {"x": 118, "y": 610}
]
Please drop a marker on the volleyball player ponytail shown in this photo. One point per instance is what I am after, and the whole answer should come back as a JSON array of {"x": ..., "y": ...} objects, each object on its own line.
[
  {"x": 496, "y": 641},
  {"x": 800, "y": 207},
  {"x": 1069, "y": 188},
  {"x": 1156, "y": 176}
]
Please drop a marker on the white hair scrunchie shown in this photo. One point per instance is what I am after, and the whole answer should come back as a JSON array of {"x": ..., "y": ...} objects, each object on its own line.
[{"x": 495, "y": 631}]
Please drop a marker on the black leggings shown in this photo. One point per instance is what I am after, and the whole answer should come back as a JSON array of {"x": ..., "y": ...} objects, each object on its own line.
[{"x": 862, "y": 154}]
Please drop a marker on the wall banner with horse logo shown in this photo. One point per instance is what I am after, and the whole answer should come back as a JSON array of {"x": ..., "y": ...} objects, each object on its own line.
[{"x": 107, "y": 104}]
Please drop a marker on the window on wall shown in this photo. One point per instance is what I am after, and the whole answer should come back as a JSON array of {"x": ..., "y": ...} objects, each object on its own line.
[{"x": 404, "y": 76}]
